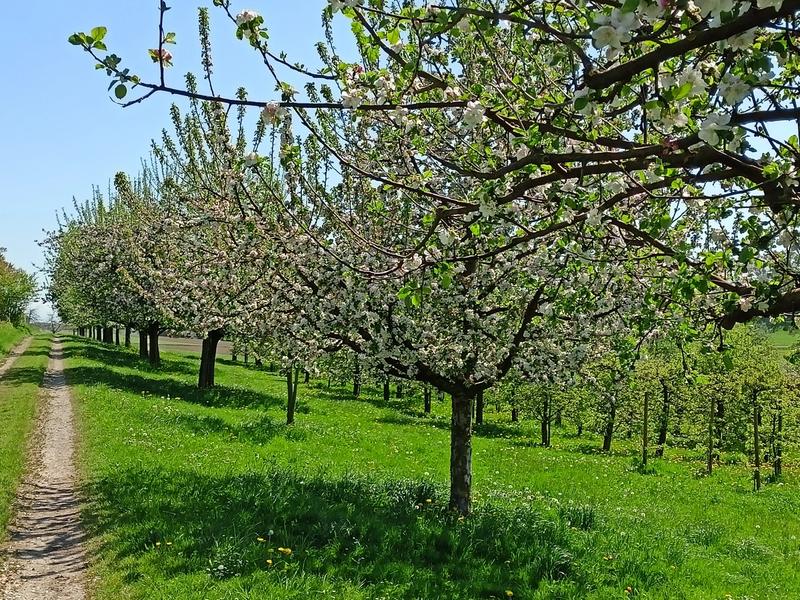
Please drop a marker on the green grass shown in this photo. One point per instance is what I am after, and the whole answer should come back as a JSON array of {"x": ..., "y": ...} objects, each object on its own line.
[
  {"x": 10, "y": 336},
  {"x": 181, "y": 485},
  {"x": 784, "y": 339},
  {"x": 19, "y": 390}
]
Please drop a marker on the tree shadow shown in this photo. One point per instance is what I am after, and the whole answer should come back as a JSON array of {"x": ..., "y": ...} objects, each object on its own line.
[
  {"x": 387, "y": 537},
  {"x": 258, "y": 431},
  {"x": 218, "y": 397},
  {"x": 118, "y": 356},
  {"x": 22, "y": 375},
  {"x": 487, "y": 430}
]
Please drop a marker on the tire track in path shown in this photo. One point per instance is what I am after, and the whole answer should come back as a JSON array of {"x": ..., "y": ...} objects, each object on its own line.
[{"x": 15, "y": 353}]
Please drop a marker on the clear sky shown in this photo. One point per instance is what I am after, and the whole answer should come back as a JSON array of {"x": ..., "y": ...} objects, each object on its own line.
[{"x": 60, "y": 133}]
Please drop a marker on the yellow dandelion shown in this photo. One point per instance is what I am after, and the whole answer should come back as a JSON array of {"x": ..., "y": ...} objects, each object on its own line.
[
  {"x": 269, "y": 562},
  {"x": 428, "y": 501},
  {"x": 158, "y": 543},
  {"x": 509, "y": 593},
  {"x": 285, "y": 551},
  {"x": 260, "y": 539}
]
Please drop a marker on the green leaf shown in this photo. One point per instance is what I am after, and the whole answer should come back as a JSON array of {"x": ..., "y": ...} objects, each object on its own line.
[
  {"x": 120, "y": 91},
  {"x": 76, "y": 39},
  {"x": 727, "y": 361},
  {"x": 100, "y": 46},
  {"x": 98, "y": 33},
  {"x": 683, "y": 91},
  {"x": 630, "y": 6}
]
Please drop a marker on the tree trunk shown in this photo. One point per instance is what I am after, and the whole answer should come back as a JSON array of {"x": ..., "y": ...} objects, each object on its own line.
[
  {"x": 307, "y": 376},
  {"x": 246, "y": 358},
  {"x": 108, "y": 335},
  {"x": 514, "y": 414},
  {"x": 127, "y": 336},
  {"x": 461, "y": 453},
  {"x": 154, "y": 354},
  {"x": 777, "y": 453},
  {"x": 580, "y": 429},
  {"x": 387, "y": 395},
  {"x": 479, "y": 408},
  {"x": 399, "y": 391},
  {"x": 608, "y": 433},
  {"x": 357, "y": 380},
  {"x": 292, "y": 393},
  {"x": 234, "y": 357},
  {"x": 116, "y": 336},
  {"x": 558, "y": 418},
  {"x": 208, "y": 359},
  {"x": 645, "y": 417},
  {"x": 663, "y": 424},
  {"x": 427, "y": 393},
  {"x": 756, "y": 442},
  {"x": 143, "y": 351},
  {"x": 710, "y": 449},
  {"x": 546, "y": 421}
]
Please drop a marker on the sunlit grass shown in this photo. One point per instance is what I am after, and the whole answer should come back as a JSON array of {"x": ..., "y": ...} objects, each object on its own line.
[
  {"x": 180, "y": 482},
  {"x": 19, "y": 390},
  {"x": 10, "y": 336}
]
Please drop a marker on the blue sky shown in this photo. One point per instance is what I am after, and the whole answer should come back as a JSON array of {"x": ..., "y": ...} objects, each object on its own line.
[{"x": 60, "y": 132}]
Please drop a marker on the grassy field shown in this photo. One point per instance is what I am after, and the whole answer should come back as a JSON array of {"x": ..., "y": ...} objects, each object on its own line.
[
  {"x": 10, "y": 336},
  {"x": 208, "y": 495},
  {"x": 182, "y": 345},
  {"x": 19, "y": 389},
  {"x": 784, "y": 339}
]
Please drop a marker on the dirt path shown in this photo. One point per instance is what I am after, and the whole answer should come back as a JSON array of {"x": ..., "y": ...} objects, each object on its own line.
[
  {"x": 45, "y": 558},
  {"x": 15, "y": 353}
]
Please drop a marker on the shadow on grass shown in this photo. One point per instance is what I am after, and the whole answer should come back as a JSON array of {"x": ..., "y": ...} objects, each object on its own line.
[
  {"x": 258, "y": 431},
  {"x": 391, "y": 537},
  {"x": 22, "y": 375},
  {"x": 487, "y": 430},
  {"x": 120, "y": 357},
  {"x": 219, "y": 397}
]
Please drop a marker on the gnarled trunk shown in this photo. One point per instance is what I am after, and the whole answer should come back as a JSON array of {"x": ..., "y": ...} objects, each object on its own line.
[
  {"x": 608, "y": 433},
  {"x": 143, "y": 350},
  {"x": 461, "y": 452},
  {"x": 208, "y": 359},
  {"x": 357, "y": 380},
  {"x": 154, "y": 353}
]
